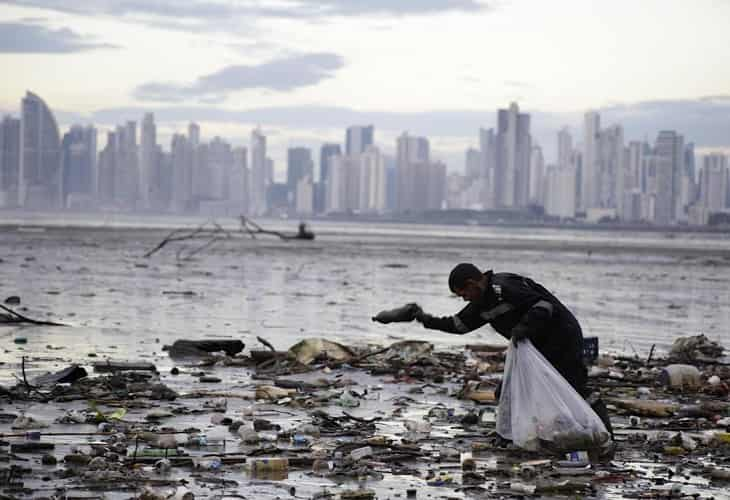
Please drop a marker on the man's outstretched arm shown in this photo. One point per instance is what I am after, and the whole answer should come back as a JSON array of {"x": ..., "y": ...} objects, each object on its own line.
[{"x": 465, "y": 321}]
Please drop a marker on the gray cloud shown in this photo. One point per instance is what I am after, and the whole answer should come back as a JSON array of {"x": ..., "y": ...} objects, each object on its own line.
[
  {"x": 24, "y": 37},
  {"x": 218, "y": 15},
  {"x": 286, "y": 73}
]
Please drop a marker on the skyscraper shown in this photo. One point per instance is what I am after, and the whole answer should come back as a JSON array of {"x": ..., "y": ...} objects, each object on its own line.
[
  {"x": 590, "y": 179},
  {"x": 194, "y": 135},
  {"x": 537, "y": 186},
  {"x": 107, "y": 167},
  {"x": 126, "y": 172},
  {"x": 714, "y": 182},
  {"x": 181, "y": 194},
  {"x": 372, "y": 180},
  {"x": 358, "y": 138},
  {"x": 79, "y": 167},
  {"x": 411, "y": 152},
  {"x": 325, "y": 153},
  {"x": 669, "y": 149},
  {"x": 610, "y": 170},
  {"x": 473, "y": 162},
  {"x": 565, "y": 147},
  {"x": 512, "y": 167},
  {"x": 258, "y": 173},
  {"x": 40, "y": 173},
  {"x": 240, "y": 180},
  {"x": 299, "y": 165},
  {"x": 9, "y": 161},
  {"x": 150, "y": 180}
]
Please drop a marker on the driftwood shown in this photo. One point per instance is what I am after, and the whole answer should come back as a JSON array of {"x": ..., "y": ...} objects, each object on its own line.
[
  {"x": 211, "y": 231},
  {"x": 14, "y": 318}
]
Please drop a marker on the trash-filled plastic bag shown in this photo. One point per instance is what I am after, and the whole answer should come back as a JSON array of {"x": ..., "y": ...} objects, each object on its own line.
[{"x": 538, "y": 408}]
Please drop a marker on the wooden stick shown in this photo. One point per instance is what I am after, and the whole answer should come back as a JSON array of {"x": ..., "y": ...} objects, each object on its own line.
[
  {"x": 24, "y": 319},
  {"x": 266, "y": 343}
]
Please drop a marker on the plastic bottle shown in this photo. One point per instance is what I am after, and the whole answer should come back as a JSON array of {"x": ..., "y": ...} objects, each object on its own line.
[
  {"x": 300, "y": 440},
  {"x": 269, "y": 466}
]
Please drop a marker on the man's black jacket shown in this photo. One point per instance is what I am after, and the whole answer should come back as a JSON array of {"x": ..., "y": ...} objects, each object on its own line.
[{"x": 510, "y": 303}]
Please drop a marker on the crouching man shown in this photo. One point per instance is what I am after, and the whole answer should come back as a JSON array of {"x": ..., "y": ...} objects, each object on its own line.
[{"x": 519, "y": 309}]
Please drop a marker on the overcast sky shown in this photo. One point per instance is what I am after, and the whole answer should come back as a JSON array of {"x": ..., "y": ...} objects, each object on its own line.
[{"x": 305, "y": 69}]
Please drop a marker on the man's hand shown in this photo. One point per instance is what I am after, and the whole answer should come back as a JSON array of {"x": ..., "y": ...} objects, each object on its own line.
[
  {"x": 519, "y": 333},
  {"x": 408, "y": 312}
]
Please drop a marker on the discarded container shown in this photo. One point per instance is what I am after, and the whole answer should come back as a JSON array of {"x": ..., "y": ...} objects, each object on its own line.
[
  {"x": 418, "y": 427},
  {"x": 680, "y": 376},
  {"x": 723, "y": 437},
  {"x": 300, "y": 440},
  {"x": 361, "y": 453},
  {"x": 467, "y": 462},
  {"x": 269, "y": 467}
]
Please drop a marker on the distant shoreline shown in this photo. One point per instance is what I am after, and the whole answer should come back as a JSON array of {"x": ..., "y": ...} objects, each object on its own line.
[
  {"x": 442, "y": 218},
  {"x": 595, "y": 239}
]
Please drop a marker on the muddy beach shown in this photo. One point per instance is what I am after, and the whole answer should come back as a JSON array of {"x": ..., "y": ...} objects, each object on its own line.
[{"x": 395, "y": 424}]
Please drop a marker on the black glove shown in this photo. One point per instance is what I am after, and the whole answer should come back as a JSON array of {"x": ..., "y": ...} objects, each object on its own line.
[{"x": 408, "y": 312}]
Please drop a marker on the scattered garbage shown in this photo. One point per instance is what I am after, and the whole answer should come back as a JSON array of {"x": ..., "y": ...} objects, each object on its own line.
[
  {"x": 309, "y": 350},
  {"x": 354, "y": 415},
  {"x": 680, "y": 376},
  {"x": 696, "y": 348}
]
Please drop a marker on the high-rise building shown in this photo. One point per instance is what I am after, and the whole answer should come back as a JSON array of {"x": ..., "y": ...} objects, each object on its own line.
[
  {"x": 411, "y": 152},
  {"x": 610, "y": 170},
  {"x": 181, "y": 196},
  {"x": 150, "y": 182},
  {"x": 327, "y": 151},
  {"x": 565, "y": 147},
  {"x": 240, "y": 180},
  {"x": 126, "y": 167},
  {"x": 560, "y": 191},
  {"x": 590, "y": 178},
  {"x": 40, "y": 172},
  {"x": 9, "y": 161},
  {"x": 304, "y": 196},
  {"x": 537, "y": 181},
  {"x": 372, "y": 180},
  {"x": 79, "y": 167},
  {"x": 669, "y": 149},
  {"x": 473, "y": 163},
  {"x": 512, "y": 169},
  {"x": 488, "y": 151},
  {"x": 106, "y": 170},
  {"x": 714, "y": 182},
  {"x": 299, "y": 165},
  {"x": 358, "y": 138},
  {"x": 194, "y": 135},
  {"x": 219, "y": 162},
  {"x": 258, "y": 173}
]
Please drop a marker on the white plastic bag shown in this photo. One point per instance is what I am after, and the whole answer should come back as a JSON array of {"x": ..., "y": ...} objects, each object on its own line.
[{"x": 539, "y": 408}]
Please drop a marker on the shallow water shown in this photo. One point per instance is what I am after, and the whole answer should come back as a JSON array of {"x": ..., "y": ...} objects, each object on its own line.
[{"x": 631, "y": 290}]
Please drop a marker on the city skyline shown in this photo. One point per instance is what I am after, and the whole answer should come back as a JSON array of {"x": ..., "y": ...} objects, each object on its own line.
[{"x": 606, "y": 177}]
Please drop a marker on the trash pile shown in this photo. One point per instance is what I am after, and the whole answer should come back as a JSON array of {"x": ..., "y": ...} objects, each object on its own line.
[{"x": 323, "y": 420}]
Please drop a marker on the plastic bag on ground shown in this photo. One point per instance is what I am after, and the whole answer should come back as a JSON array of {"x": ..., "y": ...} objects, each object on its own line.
[{"x": 538, "y": 408}]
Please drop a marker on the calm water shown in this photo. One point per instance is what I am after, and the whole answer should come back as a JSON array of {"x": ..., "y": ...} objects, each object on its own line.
[{"x": 631, "y": 289}]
